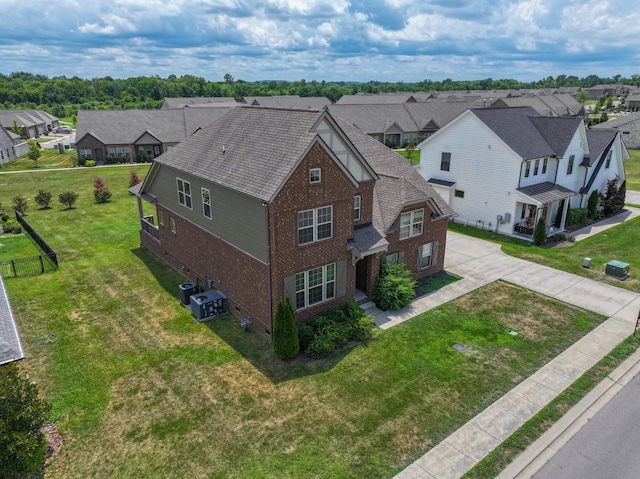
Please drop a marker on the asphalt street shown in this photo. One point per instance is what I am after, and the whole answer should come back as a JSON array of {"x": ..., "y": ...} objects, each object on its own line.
[{"x": 607, "y": 446}]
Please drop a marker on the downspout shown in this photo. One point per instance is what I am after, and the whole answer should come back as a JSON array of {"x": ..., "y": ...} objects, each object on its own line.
[{"x": 266, "y": 210}]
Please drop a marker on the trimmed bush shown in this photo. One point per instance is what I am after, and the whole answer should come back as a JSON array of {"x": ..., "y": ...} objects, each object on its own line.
[
  {"x": 68, "y": 198},
  {"x": 592, "y": 204},
  {"x": 101, "y": 191},
  {"x": 285, "y": 333},
  {"x": 305, "y": 336},
  {"x": 43, "y": 198},
  {"x": 540, "y": 232},
  {"x": 578, "y": 216},
  {"x": 394, "y": 287},
  {"x": 20, "y": 204}
]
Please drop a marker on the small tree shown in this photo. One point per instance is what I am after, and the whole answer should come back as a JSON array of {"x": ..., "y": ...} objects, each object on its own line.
[
  {"x": 17, "y": 129},
  {"x": 68, "y": 198},
  {"x": 34, "y": 151},
  {"x": 286, "y": 344},
  {"x": 23, "y": 446},
  {"x": 395, "y": 288},
  {"x": 43, "y": 198},
  {"x": 610, "y": 199},
  {"x": 134, "y": 179},
  {"x": 592, "y": 204},
  {"x": 540, "y": 232},
  {"x": 20, "y": 204},
  {"x": 622, "y": 195},
  {"x": 101, "y": 191}
]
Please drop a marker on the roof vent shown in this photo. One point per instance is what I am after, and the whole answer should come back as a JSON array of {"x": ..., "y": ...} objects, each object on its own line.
[{"x": 223, "y": 150}]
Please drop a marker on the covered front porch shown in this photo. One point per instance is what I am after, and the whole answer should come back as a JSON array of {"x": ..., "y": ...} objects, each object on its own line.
[
  {"x": 544, "y": 200},
  {"x": 367, "y": 245}
]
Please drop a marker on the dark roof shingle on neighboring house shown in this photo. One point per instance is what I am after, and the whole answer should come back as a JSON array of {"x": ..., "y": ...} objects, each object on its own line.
[{"x": 10, "y": 345}]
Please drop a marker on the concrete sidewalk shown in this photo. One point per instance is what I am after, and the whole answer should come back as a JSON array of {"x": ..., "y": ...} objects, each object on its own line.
[{"x": 480, "y": 263}]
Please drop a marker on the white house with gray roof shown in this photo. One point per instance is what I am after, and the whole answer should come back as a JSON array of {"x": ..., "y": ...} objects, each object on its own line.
[{"x": 502, "y": 169}]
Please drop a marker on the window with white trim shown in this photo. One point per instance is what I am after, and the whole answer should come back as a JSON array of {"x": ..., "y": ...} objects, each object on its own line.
[
  {"x": 544, "y": 165},
  {"x": 536, "y": 167},
  {"x": 608, "y": 162},
  {"x": 315, "y": 286},
  {"x": 392, "y": 259},
  {"x": 411, "y": 223},
  {"x": 314, "y": 175},
  {"x": 160, "y": 217},
  {"x": 357, "y": 200},
  {"x": 206, "y": 203},
  {"x": 111, "y": 152},
  {"x": 315, "y": 225},
  {"x": 426, "y": 257},
  {"x": 527, "y": 169},
  {"x": 119, "y": 151},
  {"x": 184, "y": 193},
  {"x": 127, "y": 152},
  {"x": 85, "y": 153},
  {"x": 172, "y": 224}
]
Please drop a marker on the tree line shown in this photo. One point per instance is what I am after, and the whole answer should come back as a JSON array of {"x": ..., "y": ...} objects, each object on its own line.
[{"x": 62, "y": 96}]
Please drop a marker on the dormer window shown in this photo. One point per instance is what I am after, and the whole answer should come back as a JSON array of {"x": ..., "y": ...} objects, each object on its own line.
[{"x": 314, "y": 175}]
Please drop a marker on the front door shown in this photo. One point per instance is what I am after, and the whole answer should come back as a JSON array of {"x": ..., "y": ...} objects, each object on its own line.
[{"x": 361, "y": 273}]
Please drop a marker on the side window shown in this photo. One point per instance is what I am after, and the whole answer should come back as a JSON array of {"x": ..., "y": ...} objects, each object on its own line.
[
  {"x": 314, "y": 175},
  {"x": 356, "y": 207},
  {"x": 527, "y": 169},
  {"x": 570, "y": 165},
  {"x": 206, "y": 203},
  {"x": 445, "y": 161},
  {"x": 184, "y": 193}
]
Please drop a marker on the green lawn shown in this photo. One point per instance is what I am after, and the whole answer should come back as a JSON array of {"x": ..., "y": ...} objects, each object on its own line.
[
  {"x": 632, "y": 170},
  {"x": 140, "y": 389},
  {"x": 50, "y": 159},
  {"x": 14, "y": 246}
]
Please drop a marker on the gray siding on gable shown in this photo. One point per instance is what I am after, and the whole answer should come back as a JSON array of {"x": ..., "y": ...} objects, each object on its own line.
[{"x": 236, "y": 218}]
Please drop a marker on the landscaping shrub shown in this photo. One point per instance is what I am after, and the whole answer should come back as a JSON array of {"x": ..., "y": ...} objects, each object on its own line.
[
  {"x": 20, "y": 204},
  {"x": 134, "y": 179},
  {"x": 43, "y": 198},
  {"x": 68, "y": 198},
  {"x": 101, "y": 191},
  {"x": 592, "y": 204},
  {"x": 540, "y": 232},
  {"x": 578, "y": 216},
  {"x": 23, "y": 446},
  {"x": 285, "y": 333},
  {"x": 335, "y": 328},
  {"x": 90, "y": 163},
  {"x": 394, "y": 287},
  {"x": 611, "y": 200},
  {"x": 305, "y": 336}
]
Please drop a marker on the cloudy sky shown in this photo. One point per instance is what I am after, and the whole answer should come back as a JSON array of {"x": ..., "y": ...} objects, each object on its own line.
[{"x": 348, "y": 40}]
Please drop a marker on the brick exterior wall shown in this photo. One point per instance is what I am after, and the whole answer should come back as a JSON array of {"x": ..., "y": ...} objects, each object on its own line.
[
  {"x": 201, "y": 256},
  {"x": 336, "y": 189},
  {"x": 432, "y": 230}
]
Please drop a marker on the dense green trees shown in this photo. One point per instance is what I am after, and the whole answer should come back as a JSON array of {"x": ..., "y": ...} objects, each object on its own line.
[{"x": 63, "y": 96}]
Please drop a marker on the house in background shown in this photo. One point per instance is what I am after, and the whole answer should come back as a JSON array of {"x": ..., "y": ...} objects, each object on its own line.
[
  {"x": 268, "y": 202},
  {"x": 11, "y": 146},
  {"x": 198, "y": 101},
  {"x": 138, "y": 135},
  {"x": 628, "y": 126},
  {"x": 31, "y": 122},
  {"x": 503, "y": 169},
  {"x": 288, "y": 101}
]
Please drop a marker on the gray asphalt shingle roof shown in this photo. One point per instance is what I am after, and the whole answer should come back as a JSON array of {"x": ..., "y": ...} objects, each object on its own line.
[
  {"x": 10, "y": 345},
  {"x": 253, "y": 150}
]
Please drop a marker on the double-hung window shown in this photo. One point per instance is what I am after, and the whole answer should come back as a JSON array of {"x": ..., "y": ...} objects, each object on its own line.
[
  {"x": 356, "y": 207},
  {"x": 527, "y": 169},
  {"x": 608, "y": 162},
  {"x": 315, "y": 225},
  {"x": 535, "y": 167},
  {"x": 411, "y": 223},
  {"x": 206, "y": 203},
  {"x": 315, "y": 286},
  {"x": 570, "y": 165},
  {"x": 445, "y": 161},
  {"x": 184, "y": 193},
  {"x": 544, "y": 165},
  {"x": 427, "y": 254}
]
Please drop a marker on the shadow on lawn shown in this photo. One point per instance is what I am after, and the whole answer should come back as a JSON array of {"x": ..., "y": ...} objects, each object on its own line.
[{"x": 252, "y": 346}]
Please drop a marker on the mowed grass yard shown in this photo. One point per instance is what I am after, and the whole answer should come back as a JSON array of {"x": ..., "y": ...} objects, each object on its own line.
[{"x": 140, "y": 389}]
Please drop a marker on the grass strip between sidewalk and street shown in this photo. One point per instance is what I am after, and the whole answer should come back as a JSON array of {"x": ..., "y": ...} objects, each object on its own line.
[{"x": 515, "y": 444}]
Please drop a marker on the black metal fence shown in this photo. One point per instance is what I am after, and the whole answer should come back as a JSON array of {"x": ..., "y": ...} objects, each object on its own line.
[
  {"x": 42, "y": 244},
  {"x": 47, "y": 261},
  {"x": 27, "y": 266}
]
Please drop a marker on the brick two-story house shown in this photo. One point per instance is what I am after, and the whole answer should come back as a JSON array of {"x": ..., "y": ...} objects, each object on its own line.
[{"x": 268, "y": 202}]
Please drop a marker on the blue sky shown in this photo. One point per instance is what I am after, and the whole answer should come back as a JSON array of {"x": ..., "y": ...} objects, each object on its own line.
[{"x": 332, "y": 40}]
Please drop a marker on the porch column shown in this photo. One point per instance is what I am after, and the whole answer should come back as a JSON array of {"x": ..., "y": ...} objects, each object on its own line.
[
  {"x": 564, "y": 213},
  {"x": 140, "y": 211}
]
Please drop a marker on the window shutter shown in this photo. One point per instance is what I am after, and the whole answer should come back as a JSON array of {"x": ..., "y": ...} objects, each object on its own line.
[
  {"x": 341, "y": 279},
  {"x": 434, "y": 254},
  {"x": 419, "y": 259},
  {"x": 290, "y": 288},
  {"x": 401, "y": 257}
]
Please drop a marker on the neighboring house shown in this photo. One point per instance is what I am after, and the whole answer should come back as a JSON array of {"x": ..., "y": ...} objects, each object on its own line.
[
  {"x": 628, "y": 126},
  {"x": 138, "y": 135},
  {"x": 633, "y": 100},
  {"x": 227, "y": 101},
  {"x": 607, "y": 90},
  {"x": 288, "y": 101},
  {"x": 31, "y": 122},
  {"x": 10, "y": 345},
  {"x": 266, "y": 203},
  {"x": 10, "y": 146},
  {"x": 395, "y": 124},
  {"x": 557, "y": 104},
  {"x": 503, "y": 169}
]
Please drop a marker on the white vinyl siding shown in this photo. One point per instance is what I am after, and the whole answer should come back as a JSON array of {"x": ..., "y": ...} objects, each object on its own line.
[
  {"x": 184, "y": 193},
  {"x": 206, "y": 203}
]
